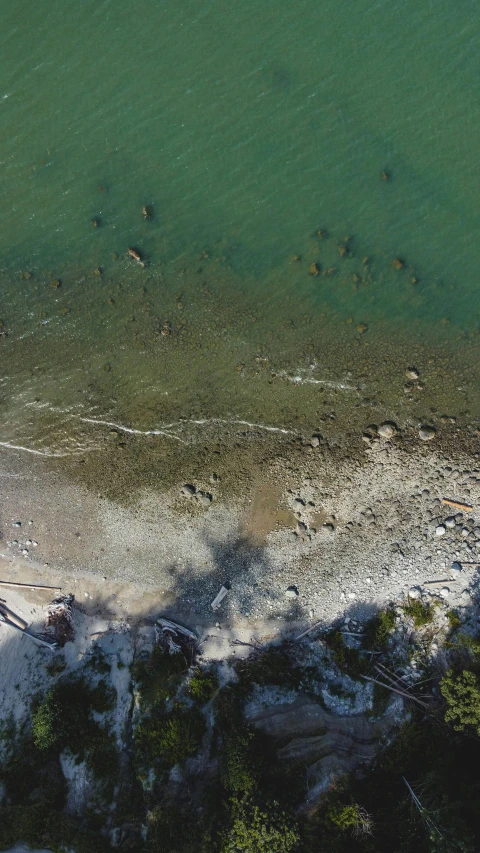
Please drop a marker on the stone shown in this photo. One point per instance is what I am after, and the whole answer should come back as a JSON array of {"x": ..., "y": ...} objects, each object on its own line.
[
  {"x": 414, "y": 592},
  {"x": 17, "y": 524},
  {"x": 298, "y": 504},
  {"x": 204, "y": 499},
  {"x": 440, "y": 530},
  {"x": 188, "y": 490},
  {"x": 455, "y": 570},
  {"x": 444, "y": 592},
  {"x": 426, "y": 433},
  {"x": 352, "y": 595},
  {"x": 387, "y": 430},
  {"x": 291, "y": 592},
  {"x": 315, "y": 441},
  {"x": 450, "y": 521},
  {"x": 411, "y": 373}
]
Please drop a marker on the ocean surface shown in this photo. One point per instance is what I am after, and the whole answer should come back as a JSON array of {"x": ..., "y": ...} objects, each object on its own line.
[{"x": 267, "y": 162}]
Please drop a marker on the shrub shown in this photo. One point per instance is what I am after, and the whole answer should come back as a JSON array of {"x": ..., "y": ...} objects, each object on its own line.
[
  {"x": 203, "y": 685},
  {"x": 158, "y": 677},
  {"x": 256, "y": 829},
  {"x": 347, "y": 659},
  {"x": 273, "y": 666},
  {"x": 462, "y": 694},
  {"x": 378, "y": 629},
  {"x": 170, "y": 738},
  {"x": 239, "y": 765},
  {"x": 65, "y": 720},
  {"x": 454, "y": 620},
  {"x": 421, "y": 613},
  {"x": 352, "y": 817}
]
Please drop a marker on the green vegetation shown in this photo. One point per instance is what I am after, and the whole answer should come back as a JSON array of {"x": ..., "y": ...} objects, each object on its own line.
[
  {"x": 159, "y": 676},
  {"x": 419, "y": 796},
  {"x": 351, "y": 817},
  {"x": 378, "y": 630},
  {"x": 454, "y": 620},
  {"x": 421, "y": 612},
  {"x": 462, "y": 694},
  {"x": 203, "y": 685},
  {"x": 32, "y": 775},
  {"x": 349, "y": 660},
  {"x": 64, "y": 720},
  {"x": 256, "y": 829},
  {"x": 163, "y": 740}
]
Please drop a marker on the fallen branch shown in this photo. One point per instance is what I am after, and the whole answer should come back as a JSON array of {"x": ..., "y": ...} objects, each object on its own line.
[
  {"x": 12, "y": 617},
  {"x": 304, "y": 633},
  {"x": 395, "y": 690},
  {"x": 457, "y": 505},
  {"x": 38, "y": 640},
  {"x": 28, "y": 585}
]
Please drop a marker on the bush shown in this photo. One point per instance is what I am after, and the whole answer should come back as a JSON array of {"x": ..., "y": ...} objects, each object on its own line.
[
  {"x": 462, "y": 693},
  {"x": 239, "y": 764},
  {"x": 350, "y": 817},
  {"x": 421, "y": 613},
  {"x": 170, "y": 738},
  {"x": 348, "y": 660},
  {"x": 378, "y": 629},
  {"x": 203, "y": 685},
  {"x": 257, "y": 829},
  {"x": 65, "y": 720},
  {"x": 273, "y": 666},
  {"x": 158, "y": 677}
]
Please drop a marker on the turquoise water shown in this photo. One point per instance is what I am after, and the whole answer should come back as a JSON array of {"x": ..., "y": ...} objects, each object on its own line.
[{"x": 245, "y": 128}]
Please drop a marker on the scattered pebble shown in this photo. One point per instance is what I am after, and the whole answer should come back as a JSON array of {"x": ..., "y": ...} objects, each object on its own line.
[
  {"x": 188, "y": 490},
  {"x": 204, "y": 499},
  {"x": 426, "y": 433},
  {"x": 414, "y": 592},
  {"x": 387, "y": 430},
  {"x": 440, "y": 530},
  {"x": 292, "y": 592},
  {"x": 450, "y": 521}
]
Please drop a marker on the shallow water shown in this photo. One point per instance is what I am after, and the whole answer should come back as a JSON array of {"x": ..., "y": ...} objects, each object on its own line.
[{"x": 245, "y": 129}]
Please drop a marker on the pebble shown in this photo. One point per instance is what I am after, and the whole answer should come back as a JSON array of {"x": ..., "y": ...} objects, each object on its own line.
[
  {"x": 411, "y": 373},
  {"x": 17, "y": 524},
  {"x": 426, "y": 433},
  {"x": 315, "y": 441},
  {"x": 291, "y": 592},
  {"x": 414, "y": 592},
  {"x": 188, "y": 490},
  {"x": 450, "y": 521},
  {"x": 455, "y": 570},
  {"x": 444, "y": 592},
  {"x": 440, "y": 530},
  {"x": 464, "y": 532},
  {"x": 298, "y": 503},
  {"x": 204, "y": 499},
  {"x": 352, "y": 595},
  {"x": 387, "y": 430}
]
